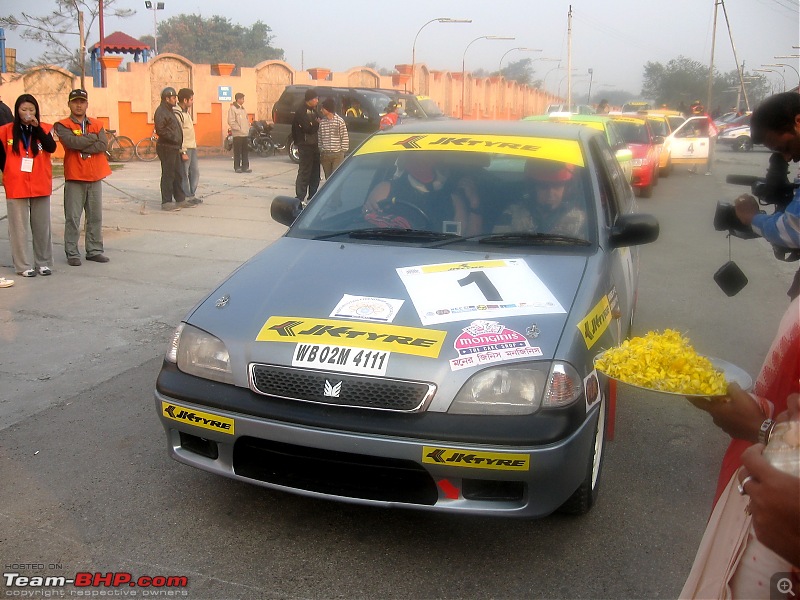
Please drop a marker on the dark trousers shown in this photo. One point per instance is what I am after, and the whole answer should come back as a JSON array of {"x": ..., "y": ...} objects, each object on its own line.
[
  {"x": 171, "y": 174},
  {"x": 308, "y": 172},
  {"x": 240, "y": 158}
]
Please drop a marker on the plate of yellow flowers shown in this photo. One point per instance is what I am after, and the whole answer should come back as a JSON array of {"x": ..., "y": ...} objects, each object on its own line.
[{"x": 666, "y": 362}]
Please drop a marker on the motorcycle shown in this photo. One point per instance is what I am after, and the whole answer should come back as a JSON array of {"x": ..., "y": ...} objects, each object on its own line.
[{"x": 259, "y": 139}]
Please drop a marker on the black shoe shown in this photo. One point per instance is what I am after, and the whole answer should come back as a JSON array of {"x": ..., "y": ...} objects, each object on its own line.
[
  {"x": 247, "y": 170},
  {"x": 74, "y": 261},
  {"x": 237, "y": 170},
  {"x": 195, "y": 201},
  {"x": 101, "y": 258},
  {"x": 169, "y": 206}
]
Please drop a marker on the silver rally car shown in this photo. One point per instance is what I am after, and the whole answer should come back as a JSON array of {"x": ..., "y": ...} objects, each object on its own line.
[{"x": 423, "y": 335}]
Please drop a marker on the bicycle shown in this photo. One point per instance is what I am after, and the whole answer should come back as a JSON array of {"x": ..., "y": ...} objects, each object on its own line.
[
  {"x": 146, "y": 148},
  {"x": 120, "y": 147}
]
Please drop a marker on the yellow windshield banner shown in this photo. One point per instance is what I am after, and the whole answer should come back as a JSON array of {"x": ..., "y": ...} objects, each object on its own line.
[
  {"x": 472, "y": 264},
  {"x": 637, "y": 120},
  {"x": 568, "y": 151},
  {"x": 353, "y": 334}
]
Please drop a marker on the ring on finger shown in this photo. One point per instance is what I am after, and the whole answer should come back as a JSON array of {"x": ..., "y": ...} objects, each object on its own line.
[{"x": 743, "y": 483}]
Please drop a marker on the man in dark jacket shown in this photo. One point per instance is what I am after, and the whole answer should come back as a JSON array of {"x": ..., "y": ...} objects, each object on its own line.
[
  {"x": 6, "y": 114},
  {"x": 305, "y": 129},
  {"x": 168, "y": 148}
]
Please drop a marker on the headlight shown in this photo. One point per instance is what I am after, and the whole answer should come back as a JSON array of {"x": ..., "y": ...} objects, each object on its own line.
[
  {"x": 199, "y": 353},
  {"x": 518, "y": 390}
]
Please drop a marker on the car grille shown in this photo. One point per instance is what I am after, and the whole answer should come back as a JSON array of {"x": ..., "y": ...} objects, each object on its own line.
[
  {"x": 335, "y": 473},
  {"x": 377, "y": 393}
]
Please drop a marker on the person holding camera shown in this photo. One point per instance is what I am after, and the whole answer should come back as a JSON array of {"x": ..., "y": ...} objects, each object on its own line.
[{"x": 776, "y": 124}]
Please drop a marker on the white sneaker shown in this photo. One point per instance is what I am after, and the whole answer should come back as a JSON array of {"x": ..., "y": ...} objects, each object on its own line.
[{"x": 4, "y": 283}]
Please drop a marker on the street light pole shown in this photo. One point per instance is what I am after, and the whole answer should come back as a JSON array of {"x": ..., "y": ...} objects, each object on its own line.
[
  {"x": 414, "y": 46},
  {"x": 154, "y": 6},
  {"x": 785, "y": 65},
  {"x": 774, "y": 71},
  {"x": 500, "y": 66},
  {"x": 464, "y": 62},
  {"x": 591, "y": 76}
]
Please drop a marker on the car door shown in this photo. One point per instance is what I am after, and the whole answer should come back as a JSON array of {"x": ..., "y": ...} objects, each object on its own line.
[
  {"x": 691, "y": 142},
  {"x": 616, "y": 198}
]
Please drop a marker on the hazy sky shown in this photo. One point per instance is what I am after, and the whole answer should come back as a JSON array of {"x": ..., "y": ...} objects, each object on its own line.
[{"x": 615, "y": 38}]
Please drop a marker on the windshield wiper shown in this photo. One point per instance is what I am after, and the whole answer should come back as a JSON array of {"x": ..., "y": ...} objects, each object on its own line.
[
  {"x": 523, "y": 238},
  {"x": 390, "y": 233}
]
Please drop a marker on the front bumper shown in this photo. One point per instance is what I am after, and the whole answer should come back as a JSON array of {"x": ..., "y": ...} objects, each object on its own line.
[{"x": 376, "y": 469}]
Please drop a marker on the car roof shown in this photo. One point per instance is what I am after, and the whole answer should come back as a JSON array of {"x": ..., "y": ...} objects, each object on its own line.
[{"x": 630, "y": 117}]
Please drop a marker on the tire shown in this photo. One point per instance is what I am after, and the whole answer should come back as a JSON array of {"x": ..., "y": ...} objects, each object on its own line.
[
  {"x": 294, "y": 153},
  {"x": 121, "y": 149},
  {"x": 742, "y": 144},
  {"x": 584, "y": 498},
  {"x": 666, "y": 171},
  {"x": 146, "y": 150},
  {"x": 264, "y": 147},
  {"x": 646, "y": 191}
]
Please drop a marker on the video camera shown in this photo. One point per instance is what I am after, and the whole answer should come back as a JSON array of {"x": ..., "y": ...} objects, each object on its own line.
[{"x": 775, "y": 188}]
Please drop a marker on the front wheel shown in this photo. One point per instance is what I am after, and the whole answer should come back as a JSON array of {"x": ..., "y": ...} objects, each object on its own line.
[
  {"x": 121, "y": 149},
  {"x": 585, "y": 496},
  {"x": 146, "y": 149},
  {"x": 264, "y": 147},
  {"x": 294, "y": 152},
  {"x": 743, "y": 144}
]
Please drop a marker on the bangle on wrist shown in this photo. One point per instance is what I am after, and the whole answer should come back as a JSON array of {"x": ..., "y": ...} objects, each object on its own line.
[{"x": 765, "y": 431}]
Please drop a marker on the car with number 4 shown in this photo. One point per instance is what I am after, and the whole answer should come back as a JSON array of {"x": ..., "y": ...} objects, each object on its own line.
[{"x": 424, "y": 333}]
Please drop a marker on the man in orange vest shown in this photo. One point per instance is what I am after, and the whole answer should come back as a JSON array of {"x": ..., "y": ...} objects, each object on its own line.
[{"x": 85, "y": 167}]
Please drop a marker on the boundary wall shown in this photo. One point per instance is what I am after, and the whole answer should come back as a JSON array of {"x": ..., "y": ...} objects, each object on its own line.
[{"x": 130, "y": 96}]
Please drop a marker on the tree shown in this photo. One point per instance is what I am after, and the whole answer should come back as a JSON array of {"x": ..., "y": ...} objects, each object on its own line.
[
  {"x": 217, "y": 40},
  {"x": 682, "y": 80},
  {"x": 520, "y": 71},
  {"x": 59, "y": 31}
]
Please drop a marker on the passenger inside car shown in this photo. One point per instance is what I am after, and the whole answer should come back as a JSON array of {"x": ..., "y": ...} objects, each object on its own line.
[
  {"x": 551, "y": 202},
  {"x": 426, "y": 193}
]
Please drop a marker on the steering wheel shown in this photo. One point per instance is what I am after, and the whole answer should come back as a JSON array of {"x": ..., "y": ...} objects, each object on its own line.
[{"x": 412, "y": 210}]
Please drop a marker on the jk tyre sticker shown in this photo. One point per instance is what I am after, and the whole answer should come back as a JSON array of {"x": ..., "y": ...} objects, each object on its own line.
[
  {"x": 353, "y": 334},
  {"x": 497, "y": 461},
  {"x": 568, "y": 151},
  {"x": 197, "y": 418}
]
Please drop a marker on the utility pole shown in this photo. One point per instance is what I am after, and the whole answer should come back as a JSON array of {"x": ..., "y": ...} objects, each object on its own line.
[
  {"x": 711, "y": 64},
  {"x": 569, "y": 59},
  {"x": 735, "y": 58}
]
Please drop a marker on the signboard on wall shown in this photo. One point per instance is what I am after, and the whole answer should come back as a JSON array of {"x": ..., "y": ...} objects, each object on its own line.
[{"x": 225, "y": 93}]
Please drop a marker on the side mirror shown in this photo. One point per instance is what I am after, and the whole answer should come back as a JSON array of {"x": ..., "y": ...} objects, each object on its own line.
[
  {"x": 285, "y": 209},
  {"x": 634, "y": 230},
  {"x": 659, "y": 139}
]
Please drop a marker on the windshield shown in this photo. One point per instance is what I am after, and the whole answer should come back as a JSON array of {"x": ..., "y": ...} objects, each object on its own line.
[
  {"x": 633, "y": 133},
  {"x": 430, "y": 107},
  {"x": 443, "y": 197},
  {"x": 378, "y": 101}
]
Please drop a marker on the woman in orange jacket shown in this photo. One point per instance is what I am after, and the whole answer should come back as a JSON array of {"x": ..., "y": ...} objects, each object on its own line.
[{"x": 25, "y": 148}]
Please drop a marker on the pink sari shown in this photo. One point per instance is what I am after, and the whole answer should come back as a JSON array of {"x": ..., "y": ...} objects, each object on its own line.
[{"x": 779, "y": 377}]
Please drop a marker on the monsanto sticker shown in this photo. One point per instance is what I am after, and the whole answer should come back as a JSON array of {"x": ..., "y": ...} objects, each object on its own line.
[{"x": 485, "y": 342}]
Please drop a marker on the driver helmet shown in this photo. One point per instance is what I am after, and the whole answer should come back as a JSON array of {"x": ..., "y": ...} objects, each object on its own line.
[{"x": 167, "y": 92}]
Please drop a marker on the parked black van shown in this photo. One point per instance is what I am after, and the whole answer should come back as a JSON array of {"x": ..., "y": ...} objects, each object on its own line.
[{"x": 360, "y": 108}]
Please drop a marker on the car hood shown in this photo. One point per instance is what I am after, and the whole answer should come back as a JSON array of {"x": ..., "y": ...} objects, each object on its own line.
[{"x": 288, "y": 294}]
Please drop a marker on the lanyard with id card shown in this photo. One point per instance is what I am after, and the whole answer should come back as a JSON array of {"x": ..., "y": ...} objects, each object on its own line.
[{"x": 27, "y": 161}]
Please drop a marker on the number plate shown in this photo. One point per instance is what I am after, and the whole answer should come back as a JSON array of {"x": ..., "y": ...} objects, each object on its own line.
[{"x": 341, "y": 359}]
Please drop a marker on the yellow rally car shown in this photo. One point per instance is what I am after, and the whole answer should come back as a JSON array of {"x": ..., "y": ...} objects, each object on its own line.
[{"x": 622, "y": 152}]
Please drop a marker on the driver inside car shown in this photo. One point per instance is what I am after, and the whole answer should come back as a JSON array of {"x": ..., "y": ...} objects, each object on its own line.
[
  {"x": 423, "y": 194},
  {"x": 548, "y": 204}
]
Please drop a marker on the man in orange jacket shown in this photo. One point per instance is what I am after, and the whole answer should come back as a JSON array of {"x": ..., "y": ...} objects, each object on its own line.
[{"x": 85, "y": 167}]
